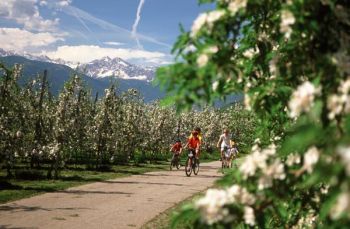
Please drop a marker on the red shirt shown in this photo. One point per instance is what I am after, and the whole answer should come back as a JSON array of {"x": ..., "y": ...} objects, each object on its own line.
[
  {"x": 176, "y": 147},
  {"x": 193, "y": 142}
]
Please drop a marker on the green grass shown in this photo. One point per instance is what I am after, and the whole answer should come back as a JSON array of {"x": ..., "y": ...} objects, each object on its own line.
[
  {"x": 14, "y": 189},
  {"x": 163, "y": 220}
]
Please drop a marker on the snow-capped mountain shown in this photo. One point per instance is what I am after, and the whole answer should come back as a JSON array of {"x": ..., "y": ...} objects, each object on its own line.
[
  {"x": 117, "y": 67},
  {"x": 100, "y": 68},
  {"x": 4, "y": 53}
]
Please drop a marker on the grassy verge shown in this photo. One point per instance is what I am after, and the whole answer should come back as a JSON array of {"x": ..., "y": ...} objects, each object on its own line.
[
  {"x": 163, "y": 220},
  {"x": 14, "y": 189}
]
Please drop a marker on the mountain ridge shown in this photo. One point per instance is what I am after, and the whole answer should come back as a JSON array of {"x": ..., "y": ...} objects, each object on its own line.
[
  {"x": 98, "y": 68},
  {"x": 58, "y": 74}
]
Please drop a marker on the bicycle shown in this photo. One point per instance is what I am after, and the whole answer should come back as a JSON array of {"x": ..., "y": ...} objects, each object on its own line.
[
  {"x": 192, "y": 164},
  {"x": 225, "y": 160},
  {"x": 175, "y": 162}
]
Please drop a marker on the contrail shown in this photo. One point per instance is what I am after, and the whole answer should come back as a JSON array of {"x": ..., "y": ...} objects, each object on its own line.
[
  {"x": 123, "y": 34},
  {"x": 136, "y": 23},
  {"x": 84, "y": 25}
]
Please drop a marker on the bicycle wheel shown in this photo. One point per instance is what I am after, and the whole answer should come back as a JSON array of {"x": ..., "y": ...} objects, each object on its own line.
[
  {"x": 178, "y": 163},
  {"x": 188, "y": 167},
  {"x": 224, "y": 164},
  {"x": 171, "y": 164},
  {"x": 196, "y": 167}
]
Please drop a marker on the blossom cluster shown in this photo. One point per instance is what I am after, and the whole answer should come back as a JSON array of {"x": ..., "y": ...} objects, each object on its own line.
[
  {"x": 302, "y": 99},
  {"x": 214, "y": 205}
]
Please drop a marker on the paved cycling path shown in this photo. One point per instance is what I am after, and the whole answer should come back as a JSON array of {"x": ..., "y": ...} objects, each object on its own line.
[{"x": 121, "y": 203}]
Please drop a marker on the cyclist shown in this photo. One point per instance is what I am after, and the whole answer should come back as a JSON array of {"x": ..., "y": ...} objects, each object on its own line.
[
  {"x": 193, "y": 143},
  {"x": 224, "y": 142},
  {"x": 233, "y": 152},
  {"x": 199, "y": 131},
  {"x": 176, "y": 149}
]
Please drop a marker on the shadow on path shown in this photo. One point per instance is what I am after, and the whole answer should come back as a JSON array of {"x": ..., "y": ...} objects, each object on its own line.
[
  {"x": 139, "y": 182},
  {"x": 18, "y": 208}
]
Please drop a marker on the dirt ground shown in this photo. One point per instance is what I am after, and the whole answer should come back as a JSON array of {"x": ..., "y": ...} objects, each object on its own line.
[{"x": 121, "y": 203}]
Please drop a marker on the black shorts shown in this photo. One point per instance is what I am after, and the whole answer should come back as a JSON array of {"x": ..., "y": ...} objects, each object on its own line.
[{"x": 193, "y": 151}]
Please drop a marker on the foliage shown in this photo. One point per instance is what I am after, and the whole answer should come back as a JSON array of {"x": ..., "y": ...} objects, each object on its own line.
[{"x": 291, "y": 60}]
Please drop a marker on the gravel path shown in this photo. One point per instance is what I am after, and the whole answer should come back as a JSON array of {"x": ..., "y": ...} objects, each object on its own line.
[{"x": 121, "y": 203}]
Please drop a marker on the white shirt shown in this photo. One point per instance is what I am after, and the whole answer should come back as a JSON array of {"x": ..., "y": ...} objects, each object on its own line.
[{"x": 225, "y": 140}]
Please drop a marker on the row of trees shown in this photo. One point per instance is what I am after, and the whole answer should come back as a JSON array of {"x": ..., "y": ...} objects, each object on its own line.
[
  {"x": 291, "y": 60},
  {"x": 37, "y": 128}
]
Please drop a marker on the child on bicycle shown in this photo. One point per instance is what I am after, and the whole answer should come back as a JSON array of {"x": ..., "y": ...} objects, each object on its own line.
[
  {"x": 193, "y": 143},
  {"x": 176, "y": 149},
  {"x": 234, "y": 149},
  {"x": 199, "y": 131},
  {"x": 233, "y": 152}
]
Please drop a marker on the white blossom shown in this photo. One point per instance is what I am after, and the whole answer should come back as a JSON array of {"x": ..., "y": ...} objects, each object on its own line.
[
  {"x": 249, "y": 53},
  {"x": 213, "y": 16},
  {"x": 202, "y": 60},
  {"x": 273, "y": 67},
  {"x": 344, "y": 86},
  {"x": 335, "y": 105},
  {"x": 293, "y": 159},
  {"x": 198, "y": 23},
  {"x": 257, "y": 141},
  {"x": 19, "y": 134},
  {"x": 252, "y": 162},
  {"x": 307, "y": 221},
  {"x": 311, "y": 158},
  {"x": 236, "y": 5},
  {"x": 287, "y": 19},
  {"x": 273, "y": 171},
  {"x": 344, "y": 153},
  {"x": 302, "y": 99},
  {"x": 211, "y": 205},
  {"x": 270, "y": 150},
  {"x": 233, "y": 193},
  {"x": 206, "y": 18},
  {"x": 215, "y": 85},
  {"x": 212, "y": 49},
  {"x": 338, "y": 103},
  {"x": 342, "y": 206},
  {"x": 247, "y": 102},
  {"x": 246, "y": 198},
  {"x": 249, "y": 217},
  {"x": 324, "y": 190}
]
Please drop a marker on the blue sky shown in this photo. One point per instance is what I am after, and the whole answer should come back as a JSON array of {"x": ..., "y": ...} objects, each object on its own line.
[{"x": 83, "y": 30}]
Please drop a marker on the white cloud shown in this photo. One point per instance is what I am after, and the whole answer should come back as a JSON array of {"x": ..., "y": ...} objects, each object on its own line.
[
  {"x": 19, "y": 40},
  {"x": 64, "y": 3},
  {"x": 113, "y": 43},
  {"x": 43, "y": 3},
  {"x": 26, "y": 13},
  {"x": 87, "y": 53}
]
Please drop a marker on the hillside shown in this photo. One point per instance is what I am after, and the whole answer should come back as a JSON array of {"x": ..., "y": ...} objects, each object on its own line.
[{"x": 58, "y": 74}]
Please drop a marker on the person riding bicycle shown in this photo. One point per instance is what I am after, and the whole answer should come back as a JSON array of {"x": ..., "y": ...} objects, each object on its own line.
[
  {"x": 176, "y": 149},
  {"x": 193, "y": 143},
  {"x": 198, "y": 129},
  {"x": 224, "y": 142},
  {"x": 234, "y": 149}
]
